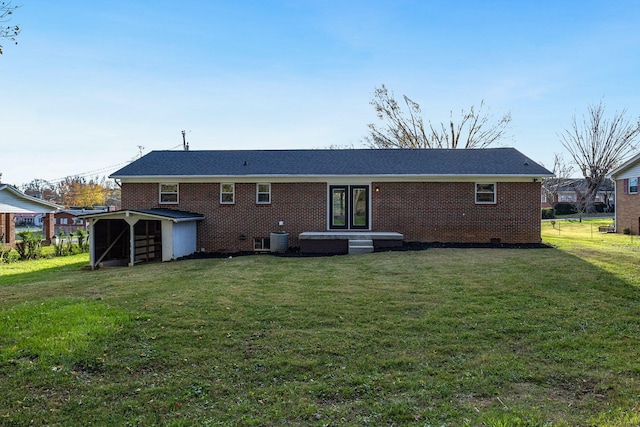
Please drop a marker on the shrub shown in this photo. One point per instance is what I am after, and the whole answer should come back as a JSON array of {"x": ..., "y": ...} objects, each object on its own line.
[
  {"x": 30, "y": 245},
  {"x": 626, "y": 230},
  {"x": 547, "y": 213},
  {"x": 7, "y": 254},
  {"x": 83, "y": 241},
  {"x": 565, "y": 209}
]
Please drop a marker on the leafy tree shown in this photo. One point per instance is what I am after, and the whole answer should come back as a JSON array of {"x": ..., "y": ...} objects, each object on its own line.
[
  {"x": 473, "y": 129},
  {"x": 9, "y": 32},
  {"x": 598, "y": 145},
  {"x": 77, "y": 191},
  {"x": 112, "y": 192}
]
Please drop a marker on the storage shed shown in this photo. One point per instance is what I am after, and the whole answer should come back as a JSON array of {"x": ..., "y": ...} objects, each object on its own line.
[{"x": 129, "y": 237}]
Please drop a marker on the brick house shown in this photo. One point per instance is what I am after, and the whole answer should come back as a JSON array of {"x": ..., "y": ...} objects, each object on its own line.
[
  {"x": 626, "y": 178},
  {"x": 325, "y": 200},
  {"x": 14, "y": 202},
  {"x": 570, "y": 189},
  {"x": 70, "y": 220}
]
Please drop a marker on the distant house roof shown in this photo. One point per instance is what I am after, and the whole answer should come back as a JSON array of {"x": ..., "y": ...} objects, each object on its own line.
[
  {"x": 13, "y": 200},
  {"x": 174, "y": 215},
  {"x": 350, "y": 162},
  {"x": 570, "y": 184}
]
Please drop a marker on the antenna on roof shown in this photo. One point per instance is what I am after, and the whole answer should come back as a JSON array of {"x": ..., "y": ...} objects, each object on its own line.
[{"x": 185, "y": 144}]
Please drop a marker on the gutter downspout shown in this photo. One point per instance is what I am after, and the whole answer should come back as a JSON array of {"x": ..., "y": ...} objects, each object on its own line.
[{"x": 615, "y": 206}]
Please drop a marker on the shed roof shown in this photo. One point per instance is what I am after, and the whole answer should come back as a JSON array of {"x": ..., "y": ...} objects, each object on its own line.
[
  {"x": 350, "y": 162},
  {"x": 174, "y": 215}
]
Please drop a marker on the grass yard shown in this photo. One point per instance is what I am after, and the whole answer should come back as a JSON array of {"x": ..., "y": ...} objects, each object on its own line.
[{"x": 442, "y": 337}]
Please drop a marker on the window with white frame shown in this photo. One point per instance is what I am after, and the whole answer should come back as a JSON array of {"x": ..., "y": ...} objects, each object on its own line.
[
  {"x": 486, "y": 193},
  {"x": 633, "y": 185},
  {"x": 227, "y": 193},
  {"x": 261, "y": 244},
  {"x": 169, "y": 193},
  {"x": 263, "y": 193}
]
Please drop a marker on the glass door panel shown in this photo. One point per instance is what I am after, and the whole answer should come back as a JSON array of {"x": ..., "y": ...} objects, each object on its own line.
[
  {"x": 339, "y": 207},
  {"x": 359, "y": 207}
]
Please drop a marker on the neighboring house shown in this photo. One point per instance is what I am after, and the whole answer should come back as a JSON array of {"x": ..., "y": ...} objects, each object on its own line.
[
  {"x": 14, "y": 202},
  {"x": 626, "y": 177},
  {"x": 28, "y": 219},
  {"x": 326, "y": 200},
  {"x": 567, "y": 193},
  {"x": 69, "y": 220}
]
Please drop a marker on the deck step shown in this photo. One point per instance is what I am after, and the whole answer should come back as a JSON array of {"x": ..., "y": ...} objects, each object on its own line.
[{"x": 360, "y": 246}]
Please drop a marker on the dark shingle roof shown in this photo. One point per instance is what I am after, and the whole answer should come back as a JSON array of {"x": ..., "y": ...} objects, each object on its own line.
[
  {"x": 365, "y": 162},
  {"x": 175, "y": 215},
  {"x": 170, "y": 213}
]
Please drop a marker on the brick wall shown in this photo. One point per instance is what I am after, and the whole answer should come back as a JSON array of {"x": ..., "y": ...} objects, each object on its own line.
[
  {"x": 627, "y": 209},
  {"x": 447, "y": 212},
  {"x": 425, "y": 212},
  {"x": 231, "y": 228},
  {"x": 7, "y": 228},
  {"x": 48, "y": 226}
]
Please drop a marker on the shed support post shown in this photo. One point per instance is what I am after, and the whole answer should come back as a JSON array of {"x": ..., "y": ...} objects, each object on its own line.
[{"x": 132, "y": 239}]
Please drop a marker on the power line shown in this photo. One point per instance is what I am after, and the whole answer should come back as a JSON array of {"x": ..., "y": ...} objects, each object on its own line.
[{"x": 107, "y": 168}]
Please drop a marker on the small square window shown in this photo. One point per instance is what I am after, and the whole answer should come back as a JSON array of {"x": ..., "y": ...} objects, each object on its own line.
[
  {"x": 485, "y": 193},
  {"x": 261, "y": 244},
  {"x": 633, "y": 185},
  {"x": 169, "y": 193},
  {"x": 227, "y": 193},
  {"x": 263, "y": 193}
]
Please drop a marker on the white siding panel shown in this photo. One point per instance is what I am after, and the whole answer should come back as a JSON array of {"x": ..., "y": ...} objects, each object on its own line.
[
  {"x": 9, "y": 203},
  {"x": 632, "y": 172},
  {"x": 167, "y": 240},
  {"x": 184, "y": 238}
]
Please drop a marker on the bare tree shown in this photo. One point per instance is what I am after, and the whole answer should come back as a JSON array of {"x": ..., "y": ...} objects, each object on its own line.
[
  {"x": 473, "y": 129},
  {"x": 40, "y": 188},
  {"x": 9, "y": 32},
  {"x": 552, "y": 186},
  {"x": 598, "y": 145}
]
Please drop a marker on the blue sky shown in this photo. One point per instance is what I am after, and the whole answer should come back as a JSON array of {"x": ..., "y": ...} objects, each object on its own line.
[{"x": 91, "y": 82}]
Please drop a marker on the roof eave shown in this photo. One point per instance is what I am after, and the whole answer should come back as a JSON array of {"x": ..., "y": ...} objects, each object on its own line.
[
  {"x": 128, "y": 213},
  {"x": 327, "y": 176}
]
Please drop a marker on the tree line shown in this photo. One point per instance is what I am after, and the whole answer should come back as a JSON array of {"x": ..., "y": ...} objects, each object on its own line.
[{"x": 76, "y": 191}]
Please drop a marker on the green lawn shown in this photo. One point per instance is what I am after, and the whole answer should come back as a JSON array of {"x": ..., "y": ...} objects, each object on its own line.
[{"x": 475, "y": 337}]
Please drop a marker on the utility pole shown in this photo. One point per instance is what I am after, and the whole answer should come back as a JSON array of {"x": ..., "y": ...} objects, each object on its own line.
[{"x": 185, "y": 144}]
